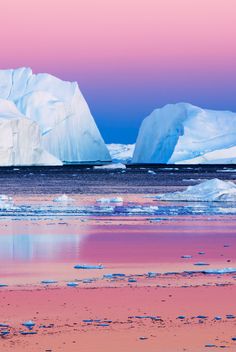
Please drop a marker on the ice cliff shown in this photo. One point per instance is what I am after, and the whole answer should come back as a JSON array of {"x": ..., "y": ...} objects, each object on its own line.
[
  {"x": 61, "y": 123},
  {"x": 184, "y": 133}
]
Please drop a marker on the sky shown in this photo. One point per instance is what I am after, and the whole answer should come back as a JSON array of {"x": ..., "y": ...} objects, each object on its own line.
[{"x": 128, "y": 56}]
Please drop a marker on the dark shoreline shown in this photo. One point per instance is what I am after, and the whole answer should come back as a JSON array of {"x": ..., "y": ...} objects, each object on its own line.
[{"x": 79, "y": 179}]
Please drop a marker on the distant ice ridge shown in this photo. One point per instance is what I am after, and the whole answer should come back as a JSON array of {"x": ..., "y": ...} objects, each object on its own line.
[
  {"x": 56, "y": 110},
  {"x": 121, "y": 153},
  {"x": 214, "y": 190},
  {"x": 184, "y": 133}
]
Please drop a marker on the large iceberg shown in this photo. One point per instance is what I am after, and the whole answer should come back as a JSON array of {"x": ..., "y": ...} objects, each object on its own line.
[
  {"x": 68, "y": 130},
  {"x": 184, "y": 133},
  {"x": 214, "y": 190},
  {"x": 20, "y": 139}
]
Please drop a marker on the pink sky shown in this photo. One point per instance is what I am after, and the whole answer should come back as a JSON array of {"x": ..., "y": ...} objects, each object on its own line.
[{"x": 125, "y": 44}]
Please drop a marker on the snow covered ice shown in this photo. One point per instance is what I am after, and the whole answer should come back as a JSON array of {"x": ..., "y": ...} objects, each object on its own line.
[
  {"x": 50, "y": 120},
  {"x": 214, "y": 190},
  {"x": 184, "y": 133}
]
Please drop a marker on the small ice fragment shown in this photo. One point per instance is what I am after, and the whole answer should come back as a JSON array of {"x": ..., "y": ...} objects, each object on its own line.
[
  {"x": 85, "y": 266},
  {"x": 3, "y": 285},
  {"x": 186, "y": 256},
  {"x": 143, "y": 338},
  {"x": 151, "y": 172},
  {"x": 220, "y": 271},
  {"x": 217, "y": 318},
  {"x": 151, "y": 274},
  {"x": 63, "y": 199},
  {"x": 201, "y": 263},
  {"x": 110, "y": 200},
  {"x": 48, "y": 282},
  {"x": 72, "y": 284},
  {"x": 132, "y": 280},
  {"x": 201, "y": 317},
  {"x": 29, "y": 324},
  {"x": 181, "y": 317}
]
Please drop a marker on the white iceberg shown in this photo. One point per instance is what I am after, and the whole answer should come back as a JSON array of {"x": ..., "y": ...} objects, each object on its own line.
[
  {"x": 214, "y": 190},
  {"x": 121, "y": 153},
  {"x": 67, "y": 128},
  {"x": 20, "y": 139},
  {"x": 186, "y": 134}
]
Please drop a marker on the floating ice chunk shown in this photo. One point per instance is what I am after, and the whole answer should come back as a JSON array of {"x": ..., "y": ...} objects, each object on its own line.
[
  {"x": 63, "y": 199},
  {"x": 214, "y": 190},
  {"x": 85, "y": 266},
  {"x": 29, "y": 324},
  {"x": 111, "y": 166},
  {"x": 3, "y": 285},
  {"x": 6, "y": 202},
  {"x": 110, "y": 200},
  {"x": 220, "y": 271},
  {"x": 201, "y": 264},
  {"x": 72, "y": 284},
  {"x": 186, "y": 256},
  {"x": 151, "y": 172},
  {"x": 48, "y": 282}
]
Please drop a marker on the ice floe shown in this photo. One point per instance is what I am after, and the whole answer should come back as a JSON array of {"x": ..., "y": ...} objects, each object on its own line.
[
  {"x": 63, "y": 199},
  {"x": 214, "y": 190}
]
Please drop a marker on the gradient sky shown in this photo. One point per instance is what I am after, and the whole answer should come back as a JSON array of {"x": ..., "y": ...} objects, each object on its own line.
[{"x": 128, "y": 56}]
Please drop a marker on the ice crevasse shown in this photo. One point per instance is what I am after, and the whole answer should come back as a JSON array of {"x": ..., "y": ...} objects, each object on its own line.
[{"x": 48, "y": 119}]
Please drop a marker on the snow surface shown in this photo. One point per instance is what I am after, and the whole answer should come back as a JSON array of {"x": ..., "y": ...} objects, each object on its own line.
[
  {"x": 214, "y": 190},
  {"x": 184, "y": 133},
  {"x": 121, "y": 153},
  {"x": 20, "y": 139},
  {"x": 58, "y": 108}
]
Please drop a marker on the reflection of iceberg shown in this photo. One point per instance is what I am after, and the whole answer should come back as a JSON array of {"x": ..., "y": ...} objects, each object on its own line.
[{"x": 48, "y": 247}]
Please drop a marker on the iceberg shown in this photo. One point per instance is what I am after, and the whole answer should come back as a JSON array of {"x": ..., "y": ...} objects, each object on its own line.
[
  {"x": 214, "y": 190},
  {"x": 58, "y": 113},
  {"x": 20, "y": 139},
  {"x": 186, "y": 134},
  {"x": 121, "y": 153}
]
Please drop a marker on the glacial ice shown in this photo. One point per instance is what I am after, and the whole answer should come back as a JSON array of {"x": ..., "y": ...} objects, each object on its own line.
[
  {"x": 186, "y": 134},
  {"x": 214, "y": 190},
  {"x": 47, "y": 108},
  {"x": 121, "y": 153},
  {"x": 20, "y": 139}
]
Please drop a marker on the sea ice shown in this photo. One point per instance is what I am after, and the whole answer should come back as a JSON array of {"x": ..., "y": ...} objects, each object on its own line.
[
  {"x": 214, "y": 190},
  {"x": 112, "y": 166},
  {"x": 63, "y": 199},
  {"x": 110, "y": 200}
]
